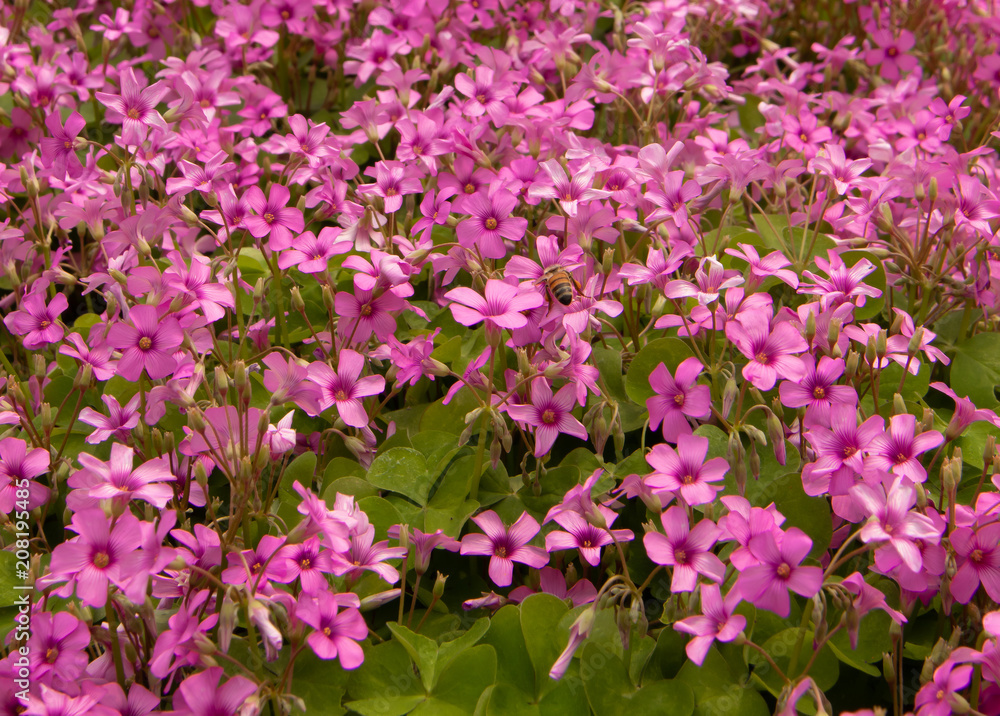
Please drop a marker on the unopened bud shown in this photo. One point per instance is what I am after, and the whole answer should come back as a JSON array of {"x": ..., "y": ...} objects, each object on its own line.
[
  {"x": 729, "y": 395},
  {"x": 927, "y": 420},
  {"x": 376, "y": 600},
  {"x": 889, "y": 670},
  {"x": 810, "y": 327},
  {"x": 898, "y": 405},
  {"x": 881, "y": 343},
  {"x": 83, "y": 377},
  {"x": 328, "y": 299},
  {"x": 608, "y": 263},
  {"x": 221, "y": 382},
  {"x": 754, "y": 462},
  {"x": 777, "y": 434},
  {"x": 851, "y": 365},
  {"x": 240, "y": 375},
  {"x": 438, "y": 590},
  {"x": 196, "y": 421},
  {"x": 913, "y": 347},
  {"x": 870, "y": 356},
  {"x": 833, "y": 332},
  {"x": 989, "y": 450},
  {"x": 932, "y": 190},
  {"x": 298, "y": 304},
  {"x": 258, "y": 290}
]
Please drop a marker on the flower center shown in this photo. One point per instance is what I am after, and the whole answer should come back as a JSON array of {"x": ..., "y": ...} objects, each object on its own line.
[
  {"x": 470, "y": 189},
  {"x": 326, "y": 631},
  {"x": 761, "y": 358},
  {"x": 269, "y": 217},
  {"x": 285, "y": 14},
  {"x": 68, "y": 145},
  {"x": 976, "y": 555},
  {"x": 481, "y": 97},
  {"x": 784, "y": 570},
  {"x": 145, "y": 343},
  {"x": 849, "y": 451},
  {"x": 804, "y": 137},
  {"x": 101, "y": 560},
  {"x": 892, "y": 52},
  {"x": 680, "y": 556},
  {"x": 44, "y": 324},
  {"x": 133, "y": 113},
  {"x": 548, "y": 417},
  {"x": 491, "y": 223},
  {"x": 340, "y": 395},
  {"x": 688, "y": 479},
  {"x": 819, "y": 393},
  {"x": 366, "y": 310},
  {"x": 51, "y": 655},
  {"x": 500, "y": 551},
  {"x": 391, "y": 191},
  {"x": 206, "y": 103},
  {"x": 679, "y": 399},
  {"x": 901, "y": 458},
  {"x": 305, "y": 563},
  {"x": 587, "y": 543}
]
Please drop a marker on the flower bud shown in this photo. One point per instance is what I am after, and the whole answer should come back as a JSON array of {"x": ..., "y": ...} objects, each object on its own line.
[
  {"x": 852, "y": 363},
  {"x": 438, "y": 589},
  {"x": 926, "y": 420},
  {"x": 881, "y": 343},
  {"x": 83, "y": 377},
  {"x": 898, "y": 405},
  {"x": 240, "y": 375},
  {"x": 810, "y": 327},
  {"x": 221, "y": 382},
  {"x": 870, "y": 356},
  {"x": 298, "y": 304},
  {"x": 932, "y": 190},
  {"x": 754, "y": 462},
  {"x": 328, "y": 299},
  {"x": 921, "y": 497},
  {"x": 889, "y": 670},
  {"x": 608, "y": 262},
  {"x": 989, "y": 450},
  {"x": 777, "y": 435},
  {"x": 258, "y": 290},
  {"x": 196, "y": 421},
  {"x": 376, "y": 600}
]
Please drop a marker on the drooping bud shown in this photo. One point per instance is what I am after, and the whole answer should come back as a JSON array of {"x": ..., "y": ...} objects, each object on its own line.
[
  {"x": 729, "y": 394},
  {"x": 777, "y": 434}
]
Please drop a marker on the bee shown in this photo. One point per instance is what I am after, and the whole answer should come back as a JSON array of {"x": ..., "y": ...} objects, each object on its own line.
[{"x": 560, "y": 284}]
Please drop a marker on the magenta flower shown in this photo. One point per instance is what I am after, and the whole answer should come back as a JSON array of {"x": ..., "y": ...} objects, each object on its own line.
[
  {"x": 310, "y": 563},
  {"x": 178, "y": 646},
  {"x": 677, "y": 399},
  {"x": 147, "y": 343},
  {"x": 891, "y": 53},
  {"x": 671, "y": 198},
  {"x": 100, "y": 555},
  {"x": 288, "y": 381},
  {"x": 685, "y": 471},
  {"x": 97, "y": 357},
  {"x": 201, "y": 695},
  {"x": 568, "y": 192},
  {"x": 716, "y": 622},
  {"x": 365, "y": 312},
  {"x": 392, "y": 181},
  {"x": 134, "y": 108},
  {"x": 505, "y": 546},
  {"x": 491, "y": 223},
  {"x": 832, "y": 162},
  {"x": 762, "y": 268},
  {"x": 117, "y": 480},
  {"x": 59, "y": 150},
  {"x": 18, "y": 464},
  {"x": 274, "y": 217},
  {"x": 423, "y": 544},
  {"x": 552, "y": 581},
  {"x": 549, "y": 414},
  {"x": 58, "y": 646},
  {"x": 980, "y": 552},
  {"x": 345, "y": 388},
  {"x": 257, "y": 567},
  {"x": 844, "y": 285},
  {"x": 899, "y": 450},
  {"x": 688, "y": 551},
  {"x": 363, "y": 555},
  {"x": 311, "y": 253},
  {"x": 938, "y": 697},
  {"x": 585, "y": 537},
  {"x": 779, "y": 570},
  {"x": 500, "y": 308},
  {"x": 771, "y": 350},
  {"x": 36, "y": 321},
  {"x": 818, "y": 389},
  {"x": 118, "y": 422},
  {"x": 891, "y": 521},
  {"x": 337, "y": 632}
]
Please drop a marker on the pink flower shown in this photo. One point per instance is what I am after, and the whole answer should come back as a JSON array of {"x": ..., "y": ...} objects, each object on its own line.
[
  {"x": 134, "y": 108},
  {"x": 491, "y": 223},
  {"x": 938, "y": 697},
  {"x": 311, "y": 253},
  {"x": 17, "y": 465},
  {"x": 363, "y": 555},
  {"x": 685, "y": 471},
  {"x": 770, "y": 350},
  {"x": 687, "y": 550},
  {"x": 717, "y": 622},
  {"x": 899, "y": 450},
  {"x": 59, "y": 150},
  {"x": 549, "y": 414},
  {"x": 501, "y": 307},
  {"x": 779, "y": 570},
  {"x": 147, "y": 343},
  {"x": 117, "y": 480},
  {"x": 337, "y": 632},
  {"x": 583, "y": 536},
  {"x": 891, "y": 521},
  {"x": 274, "y": 217},
  {"x": 892, "y": 53},
  {"x": 201, "y": 695},
  {"x": 100, "y": 555},
  {"x": 345, "y": 388},
  {"x": 981, "y": 562},
  {"x": 36, "y": 321},
  {"x": 505, "y": 546},
  {"x": 392, "y": 181},
  {"x": 677, "y": 399}
]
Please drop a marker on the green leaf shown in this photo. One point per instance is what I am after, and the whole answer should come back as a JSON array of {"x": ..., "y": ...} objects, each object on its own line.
[
  {"x": 975, "y": 370},
  {"x": 824, "y": 670},
  {"x": 809, "y": 514},
  {"x": 302, "y": 470},
  {"x": 320, "y": 684},
  {"x": 9, "y": 578},
  {"x": 385, "y": 684},
  {"x": 717, "y": 689},
  {"x": 609, "y": 365},
  {"x": 450, "y": 650},
  {"x": 669, "y": 351},
  {"x": 915, "y": 387},
  {"x": 381, "y": 514},
  {"x": 422, "y": 650},
  {"x": 450, "y": 417},
  {"x": 356, "y": 486},
  {"x": 973, "y": 442},
  {"x": 508, "y": 700},
  {"x": 540, "y": 615},
  {"x": 462, "y": 683},
  {"x": 605, "y": 681},
  {"x": 515, "y": 668},
  {"x": 403, "y": 471}
]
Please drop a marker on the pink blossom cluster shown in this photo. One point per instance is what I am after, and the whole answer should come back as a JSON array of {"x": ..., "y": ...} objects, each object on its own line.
[{"x": 257, "y": 258}]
